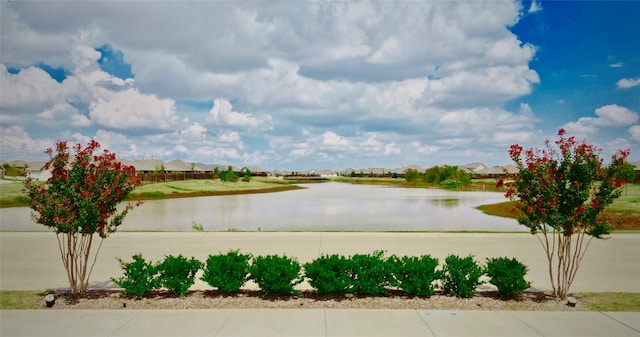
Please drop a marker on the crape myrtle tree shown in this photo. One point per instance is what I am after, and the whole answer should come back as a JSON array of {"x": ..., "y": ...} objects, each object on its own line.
[
  {"x": 560, "y": 191},
  {"x": 80, "y": 200}
]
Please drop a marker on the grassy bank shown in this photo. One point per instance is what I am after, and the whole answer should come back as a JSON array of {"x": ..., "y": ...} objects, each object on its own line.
[
  {"x": 11, "y": 194},
  {"x": 611, "y": 301},
  {"x": 488, "y": 185},
  {"x": 208, "y": 187},
  {"x": 622, "y": 214}
]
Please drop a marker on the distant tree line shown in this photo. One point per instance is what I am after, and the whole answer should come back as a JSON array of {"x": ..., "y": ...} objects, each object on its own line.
[
  {"x": 446, "y": 176},
  {"x": 230, "y": 176}
]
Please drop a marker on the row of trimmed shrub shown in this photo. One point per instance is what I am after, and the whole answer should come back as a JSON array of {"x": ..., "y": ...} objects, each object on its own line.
[{"x": 366, "y": 274}]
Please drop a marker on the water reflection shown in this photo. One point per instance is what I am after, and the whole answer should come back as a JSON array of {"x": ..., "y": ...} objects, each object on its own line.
[
  {"x": 329, "y": 206},
  {"x": 446, "y": 203}
]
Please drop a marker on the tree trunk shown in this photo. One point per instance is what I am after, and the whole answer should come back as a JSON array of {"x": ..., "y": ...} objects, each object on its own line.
[{"x": 75, "y": 250}]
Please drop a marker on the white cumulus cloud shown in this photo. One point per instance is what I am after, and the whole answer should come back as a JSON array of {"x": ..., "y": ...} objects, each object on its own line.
[
  {"x": 222, "y": 114},
  {"x": 131, "y": 109},
  {"x": 614, "y": 115},
  {"x": 15, "y": 141},
  {"x": 333, "y": 141},
  {"x": 606, "y": 116},
  {"x": 634, "y": 131},
  {"x": 391, "y": 149},
  {"x": 627, "y": 83},
  {"x": 285, "y": 82}
]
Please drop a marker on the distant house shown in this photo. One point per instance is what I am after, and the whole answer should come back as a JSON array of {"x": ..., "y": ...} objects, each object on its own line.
[
  {"x": 413, "y": 167},
  {"x": 182, "y": 166},
  {"x": 206, "y": 168},
  {"x": 281, "y": 173},
  {"x": 33, "y": 168},
  {"x": 375, "y": 172},
  {"x": 496, "y": 171},
  {"x": 473, "y": 167},
  {"x": 255, "y": 171},
  {"x": 158, "y": 170},
  {"x": 511, "y": 169},
  {"x": 148, "y": 165},
  {"x": 637, "y": 166},
  {"x": 327, "y": 173}
]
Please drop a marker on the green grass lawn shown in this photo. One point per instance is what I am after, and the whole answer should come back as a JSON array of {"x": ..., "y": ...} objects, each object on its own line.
[
  {"x": 629, "y": 200},
  {"x": 611, "y": 301},
  {"x": 208, "y": 187},
  {"x": 205, "y": 185},
  {"x": 21, "y": 299},
  {"x": 11, "y": 193},
  {"x": 12, "y": 188}
]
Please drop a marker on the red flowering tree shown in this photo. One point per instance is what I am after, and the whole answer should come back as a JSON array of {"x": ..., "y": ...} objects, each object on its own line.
[
  {"x": 80, "y": 200},
  {"x": 560, "y": 190}
]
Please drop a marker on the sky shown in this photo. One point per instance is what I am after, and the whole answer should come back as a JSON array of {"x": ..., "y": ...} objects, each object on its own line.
[{"x": 303, "y": 85}]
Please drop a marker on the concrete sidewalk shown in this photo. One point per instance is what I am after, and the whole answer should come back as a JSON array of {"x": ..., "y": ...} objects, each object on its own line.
[
  {"x": 31, "y": 261},
  {"x": 312, "y": 322}
]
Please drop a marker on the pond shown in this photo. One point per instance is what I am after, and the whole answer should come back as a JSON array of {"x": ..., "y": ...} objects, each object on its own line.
[{"x": 327, "y": 206}]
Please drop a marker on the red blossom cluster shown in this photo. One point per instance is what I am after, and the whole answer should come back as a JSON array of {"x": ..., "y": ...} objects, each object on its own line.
[
  {"x": 565, "y": 189},
  {"x": 82, "y": 194}
]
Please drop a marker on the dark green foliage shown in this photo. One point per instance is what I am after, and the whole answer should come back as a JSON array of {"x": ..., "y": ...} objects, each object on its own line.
[
  {"x": 416, "y": 275},
  {"x": 227, "y": 272},
  {"x": 329, "y": 274},
  {"x": 177, "y": 273},
  {"x": 446, "y": 176},
  {"x": 507, "y": 274},
  {"x": 461, "y": 276},
  {"x": 247, "y": 176},
  {"x": 371, "y": 273},
  {"x": 139, "y": 276},
  {"x": 412, "y": 176},
  {"x": 276, "y": 274},
  {"x": 366, "y": 274},
  {"x": 433, "y": 175}
]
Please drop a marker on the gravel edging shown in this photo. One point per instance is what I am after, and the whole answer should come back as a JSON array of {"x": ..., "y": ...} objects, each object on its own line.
[{"x": 251, "y": 299}]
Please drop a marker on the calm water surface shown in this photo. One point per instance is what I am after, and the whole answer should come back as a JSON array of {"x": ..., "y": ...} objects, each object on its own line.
[{"x": 328, "y": 206}]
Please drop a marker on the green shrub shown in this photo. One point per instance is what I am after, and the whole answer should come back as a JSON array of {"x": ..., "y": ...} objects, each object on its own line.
[
  {"x": 416, "y": 275},
  {"x": 461, "y": 276},
  {"x": 507, "y": 274},
  {"x": 371, "y": 273},
  {"x": 139, "y": 276},
  {"x": 329, "y": 274},
  {"x": 177, "y": 274},
  {"x": 276, "y": 274},
  {"x": 227, "y": 272}
]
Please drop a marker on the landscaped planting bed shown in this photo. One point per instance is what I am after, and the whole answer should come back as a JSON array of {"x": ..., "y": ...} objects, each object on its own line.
[{"x": 366, "y": 281}]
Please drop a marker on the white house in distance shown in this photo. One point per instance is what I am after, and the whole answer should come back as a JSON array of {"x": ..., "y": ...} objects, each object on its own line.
[{"x": 33, "y": 168}]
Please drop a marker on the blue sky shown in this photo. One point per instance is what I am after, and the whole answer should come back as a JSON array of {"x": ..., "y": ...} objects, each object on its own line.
[{"x": 313, "y": 85}]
